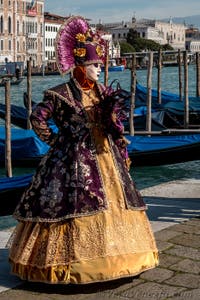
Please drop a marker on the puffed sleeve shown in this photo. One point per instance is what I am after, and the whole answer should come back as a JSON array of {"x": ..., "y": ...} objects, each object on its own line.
[{"x": 43, "y": 112}]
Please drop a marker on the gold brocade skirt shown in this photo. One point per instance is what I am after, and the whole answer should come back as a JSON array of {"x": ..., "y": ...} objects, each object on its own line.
[{"x": 111, "y": 244}]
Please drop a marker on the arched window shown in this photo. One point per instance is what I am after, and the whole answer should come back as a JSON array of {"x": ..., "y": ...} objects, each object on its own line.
[
  {"x": 17, "y": 6},
  {"x": 9, "y": 45},
  {"x": 9, "y": 25},
  {"x": 18, "y": 27},
  {"x": 23, "y": 28},
  {"x": 1, "y": 24},
  {"x": 1, "y": 45}
]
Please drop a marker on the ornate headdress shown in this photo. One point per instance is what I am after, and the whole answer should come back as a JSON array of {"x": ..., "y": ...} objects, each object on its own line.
[{"x": 76, "y": 44}]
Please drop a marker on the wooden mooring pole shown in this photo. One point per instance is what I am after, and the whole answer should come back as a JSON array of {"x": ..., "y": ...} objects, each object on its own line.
[
  {"x": 159, "y": 75},
  {"x": 133, "y": 90},
  {"x": 8, "y": 151},
  {"x": 180, "y": 73},
  {"x": 29, "y": 93},
  {"x": 149, "y": 94},
  {"x": 106, "y": 65},
  {"x": 198, "y": 74},
  {"x": 186, "y": 99}
]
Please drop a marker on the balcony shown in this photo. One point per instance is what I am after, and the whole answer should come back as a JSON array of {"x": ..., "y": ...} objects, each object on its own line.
[
  {"x": 32, "y": 51},
  {"x": 32, "y": 35}
]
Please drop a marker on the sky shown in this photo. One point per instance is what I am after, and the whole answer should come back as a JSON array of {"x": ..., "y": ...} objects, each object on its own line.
[{"x": 106, "y": 11}]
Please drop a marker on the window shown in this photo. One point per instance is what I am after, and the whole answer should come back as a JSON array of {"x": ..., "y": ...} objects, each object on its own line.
[
  {"x": 9, "y": 45},
  {"x": 17, "y": 6},
  {"x": 1, "y": 46},
  {"x": 18, "y": 27},
  {"x": 9, "y": 25},
  {"x": 1, "y": 24}
]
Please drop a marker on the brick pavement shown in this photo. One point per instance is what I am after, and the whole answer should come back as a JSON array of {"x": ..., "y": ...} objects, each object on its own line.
[{"x": 176, "y": 278}]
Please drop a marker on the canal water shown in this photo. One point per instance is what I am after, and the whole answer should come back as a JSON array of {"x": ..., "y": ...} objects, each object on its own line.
[{"x": 143, "y": 176}]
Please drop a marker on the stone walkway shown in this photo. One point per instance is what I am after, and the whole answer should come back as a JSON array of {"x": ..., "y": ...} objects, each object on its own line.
[{"x": 176, "y": 278}]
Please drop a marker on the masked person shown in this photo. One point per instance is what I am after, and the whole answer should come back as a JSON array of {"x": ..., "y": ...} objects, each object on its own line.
[{"x": 81, "y": 219}]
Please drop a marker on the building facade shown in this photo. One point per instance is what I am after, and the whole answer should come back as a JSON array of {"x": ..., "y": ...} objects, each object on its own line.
[
  {"x": 26, "y": 31},
  {"x": 193, "y": 39},
  {"x": 52, "y": 24},
  {"x": 22, "y": 31},
  {"x": 158, "y": 31}
]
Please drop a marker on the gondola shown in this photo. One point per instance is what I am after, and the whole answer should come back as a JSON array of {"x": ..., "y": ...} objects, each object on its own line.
[
  {"x": 11, "y": 189},
  {"x": 13, "y": 80},
  {"x": 164, "y": 148}
]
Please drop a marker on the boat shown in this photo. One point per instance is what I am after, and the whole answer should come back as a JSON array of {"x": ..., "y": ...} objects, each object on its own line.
[
  {"x": 11, "y": 189},
  {"x": 163, "y": 148},
  {"x": 142, "y": 91},
  {"x": 167, "y": 148},
  {"x": 18, "y": 115},
  {"x": 169, "y": 114},
  {"x": 171, "y": 104},
  {"x": 41, "y": 73},
  {"x": 13, "y": 80},
  {"x": 113, "y": 66},
  {"x": 27, "y": 149}
]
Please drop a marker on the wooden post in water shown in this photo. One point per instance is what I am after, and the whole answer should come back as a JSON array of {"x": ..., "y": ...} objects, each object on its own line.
[
  {"x": 159, "y": 75},
  {"x": 186, "y": 100},
  {"x": 8, "y": 152},
  {"x": 29, "y": 93},
  {"x": 180, "y": 73},
  {"x": 149, "y": 95},
  {"x": 106, "y": 65},
  {"x": 197, "y": 74},
  {"x": 133, "y": 88}
]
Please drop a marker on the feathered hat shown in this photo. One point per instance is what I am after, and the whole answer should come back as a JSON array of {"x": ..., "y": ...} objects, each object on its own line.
[{"x": 76, "y": 44}]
